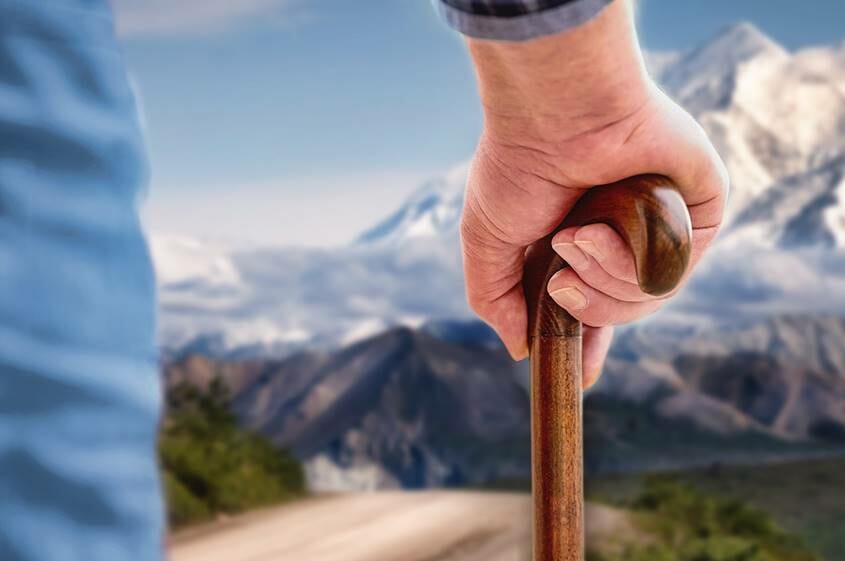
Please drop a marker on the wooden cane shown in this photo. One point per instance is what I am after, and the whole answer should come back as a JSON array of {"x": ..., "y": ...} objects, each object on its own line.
[{"x": 649, "y": 214}]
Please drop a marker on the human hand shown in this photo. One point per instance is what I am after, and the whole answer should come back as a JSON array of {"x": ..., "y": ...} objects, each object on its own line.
[{"x": 547, "y": 139}]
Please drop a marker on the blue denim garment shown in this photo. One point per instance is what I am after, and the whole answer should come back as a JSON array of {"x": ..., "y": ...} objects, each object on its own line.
[{"x": 79, "y": 386}]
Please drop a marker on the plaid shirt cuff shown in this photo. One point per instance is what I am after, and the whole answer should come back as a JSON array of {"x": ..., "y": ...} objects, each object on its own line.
[{"x": 517, "y": 20}]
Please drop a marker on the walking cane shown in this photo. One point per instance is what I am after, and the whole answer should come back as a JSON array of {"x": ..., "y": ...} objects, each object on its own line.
[{"x": 650, "y": 215}]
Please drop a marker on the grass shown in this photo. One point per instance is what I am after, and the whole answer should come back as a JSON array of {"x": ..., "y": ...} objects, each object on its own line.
[
  {"x": 682, "y": 523},
  {"x": 804, "y": 498}
]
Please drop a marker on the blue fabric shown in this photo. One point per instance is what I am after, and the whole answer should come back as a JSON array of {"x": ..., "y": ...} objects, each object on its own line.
[
  {"x": 517, "y": 20},
  {"x": 79, "y": 387}
]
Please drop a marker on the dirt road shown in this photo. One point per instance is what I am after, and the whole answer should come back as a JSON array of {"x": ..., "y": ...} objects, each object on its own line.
[{"x": 425, "y": 526}]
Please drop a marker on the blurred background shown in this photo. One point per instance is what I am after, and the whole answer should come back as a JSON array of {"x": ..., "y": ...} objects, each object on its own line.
[{"x": 308, "y": 162}]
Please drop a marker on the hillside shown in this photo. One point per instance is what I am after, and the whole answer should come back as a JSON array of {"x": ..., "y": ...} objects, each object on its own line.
[
  {"x": 416, "y": 409},
  {"x": 805, "y": 497},
  {"x": 365, "y": 361}
]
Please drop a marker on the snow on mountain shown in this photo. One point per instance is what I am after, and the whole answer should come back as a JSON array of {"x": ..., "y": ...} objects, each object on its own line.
[
  {"x": 432, "y": 211},
  {"x": 747, "y": 362},
  {"x": 824, "y": 62},
  {"x": 803, "y": 210},
  {"x": 658, "y": 61},
  {"x": 771, "y": 113},
  {"x": 778, "y": 119},
  {"x": 705, "y": 77}
]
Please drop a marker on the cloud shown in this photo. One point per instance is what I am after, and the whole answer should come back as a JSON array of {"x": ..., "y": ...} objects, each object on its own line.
[
  {"x": 316, "y": 211},
  {"x": 181, "y": 17}
]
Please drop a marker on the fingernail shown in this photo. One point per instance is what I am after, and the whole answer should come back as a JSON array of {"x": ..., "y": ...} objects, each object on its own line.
[
  {"x": 571, "y": 254},
  {"x": 570, "y": 298},
  {"x": 590, "y": 249}
]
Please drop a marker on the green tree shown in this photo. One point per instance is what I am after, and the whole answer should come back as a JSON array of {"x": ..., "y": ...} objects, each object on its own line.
[{"x": 212, "y": 465}]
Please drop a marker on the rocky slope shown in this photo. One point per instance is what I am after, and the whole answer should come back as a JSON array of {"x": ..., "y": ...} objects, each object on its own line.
[
  {"x": 412, "y": 409},
  {"x": 748, "y": 362}
]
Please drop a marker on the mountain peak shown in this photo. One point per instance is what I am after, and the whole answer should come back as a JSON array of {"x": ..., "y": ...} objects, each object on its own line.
[
  {"x": 735, "y": 44},
  {"x": 745, "y": 36},
  {"x": 433, "y": 210},
  {"x": 707, "y": 76}
]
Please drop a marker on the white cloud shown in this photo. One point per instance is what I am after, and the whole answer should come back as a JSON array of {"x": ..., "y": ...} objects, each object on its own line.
[
  {"x": 316, "y": 211},
  {"x": 180, "y": 17}
]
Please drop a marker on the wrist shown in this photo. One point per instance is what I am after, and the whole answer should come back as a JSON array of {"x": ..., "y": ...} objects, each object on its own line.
[{"x": 563, "y": 85}]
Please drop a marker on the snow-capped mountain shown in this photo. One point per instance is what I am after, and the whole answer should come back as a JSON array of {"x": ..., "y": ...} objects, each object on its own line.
[
  {"x": 777, "y": 118},
  {"x": 746, "y": 364},
  {"x": 827, "y": 63},
  {"x": 769, "y": 112},
  {"x": 433, "y": 211},
  {"x": 803, "y": 210}
]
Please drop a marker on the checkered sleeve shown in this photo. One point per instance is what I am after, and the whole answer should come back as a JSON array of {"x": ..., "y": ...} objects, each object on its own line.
[{"x": 516, "y": 20}]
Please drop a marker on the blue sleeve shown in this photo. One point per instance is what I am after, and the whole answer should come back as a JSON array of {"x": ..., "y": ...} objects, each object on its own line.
[
  {"x": 79, "y": 388},
  {"x": 517, "y": 20}
]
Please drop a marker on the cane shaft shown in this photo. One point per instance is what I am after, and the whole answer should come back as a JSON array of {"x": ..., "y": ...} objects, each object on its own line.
[
  {"x": 651, "y": 216},
  {"x": 556, "y": 449}
]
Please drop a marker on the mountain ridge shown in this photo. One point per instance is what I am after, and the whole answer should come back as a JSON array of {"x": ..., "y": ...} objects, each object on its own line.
[
  {"x": 408, "y": 409},
  {"x": 786, "y": 225}
]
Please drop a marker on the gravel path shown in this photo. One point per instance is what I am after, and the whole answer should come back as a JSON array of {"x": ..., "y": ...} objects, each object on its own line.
[{"x": 387, "y": 526}]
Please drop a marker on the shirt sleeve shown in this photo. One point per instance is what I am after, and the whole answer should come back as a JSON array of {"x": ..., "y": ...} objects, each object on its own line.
[{"x": 516, "y": 20}]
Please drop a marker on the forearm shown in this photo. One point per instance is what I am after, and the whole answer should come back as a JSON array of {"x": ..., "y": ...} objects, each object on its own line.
[{"x": 568, "y": 83}]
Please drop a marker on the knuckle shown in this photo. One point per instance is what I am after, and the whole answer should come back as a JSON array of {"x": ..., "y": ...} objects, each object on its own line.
[{"x": 596, "y": 315}]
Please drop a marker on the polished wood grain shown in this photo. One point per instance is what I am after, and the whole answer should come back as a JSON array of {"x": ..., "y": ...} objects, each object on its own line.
[{"x": 650, "y": 215}]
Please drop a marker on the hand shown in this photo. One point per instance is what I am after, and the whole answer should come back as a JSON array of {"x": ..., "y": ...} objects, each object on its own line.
[{"x": 532, "y": 165}]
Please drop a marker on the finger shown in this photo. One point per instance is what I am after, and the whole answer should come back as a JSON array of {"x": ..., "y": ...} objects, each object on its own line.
[
  {"x": 506, "y": 311},
  {"x": 508, "y": 317},
  {"x": 493, "y": 277},
  {"x": 589, "y": 269},
  {"x": 593, "y": 307},
  {"x": 596, "y": 277},
  {"x": 564, "y": 245},
  {"x": 706, "y": 215},
  {"x": 677, "y": 146},
  {"x": 691, "y": 160},
  {"x": 596, "y": 346},
  {"x": 602, "y": 243}
]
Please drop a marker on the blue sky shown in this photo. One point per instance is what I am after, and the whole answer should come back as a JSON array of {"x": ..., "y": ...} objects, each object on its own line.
[{"x": 303, "y": 121}]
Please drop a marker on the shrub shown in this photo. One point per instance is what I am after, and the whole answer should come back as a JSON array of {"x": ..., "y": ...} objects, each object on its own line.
[
  {"x": 212, "y": 466},
  {"x": 692, "y": 526}
]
